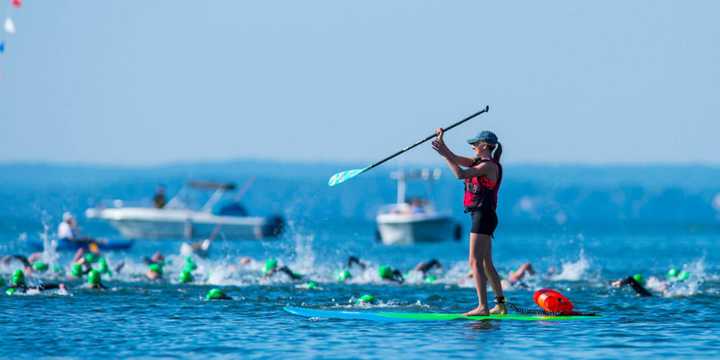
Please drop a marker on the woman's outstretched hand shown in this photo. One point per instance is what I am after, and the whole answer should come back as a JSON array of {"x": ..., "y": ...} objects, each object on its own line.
[{"x": 439, "y": 144}]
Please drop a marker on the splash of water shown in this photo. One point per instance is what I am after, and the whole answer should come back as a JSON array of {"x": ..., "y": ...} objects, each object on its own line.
[{"x": 572, "y": 270}]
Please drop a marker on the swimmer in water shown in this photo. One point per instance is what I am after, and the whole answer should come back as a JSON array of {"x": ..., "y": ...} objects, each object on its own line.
[
  {"x": 354, "y": 260},
  {"x": 217, "y": 294},
  {"x": 425, "y": 268},
  {"x": 515, "y": 278},
  {"x": 17, "y": 283},
  {"x": 388, "y": 273},
  {"x": 157, "y": 258},
  {"x": 154, "y": 271},
  {"x": 272, "y": 267},
  {"x": 636, "y": 282},
  {"x": 95, "y": 280},
  {"x": 155, "y": 266},
  {"x": 385, "y": 272}
]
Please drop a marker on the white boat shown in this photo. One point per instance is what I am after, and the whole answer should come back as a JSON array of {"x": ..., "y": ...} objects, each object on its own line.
[
  {"x": 177, "y": 221},
  {"x": 414, "y": 221}
]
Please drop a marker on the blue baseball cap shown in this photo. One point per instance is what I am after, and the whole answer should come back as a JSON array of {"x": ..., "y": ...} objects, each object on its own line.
[{"x": 484, "y": 136}]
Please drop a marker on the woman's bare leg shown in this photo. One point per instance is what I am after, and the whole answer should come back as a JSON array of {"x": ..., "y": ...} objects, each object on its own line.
[
  {"x": 492, "y": 274},
  {"x": 475, "y": 260},
  {"x": 489, "y": 267}
]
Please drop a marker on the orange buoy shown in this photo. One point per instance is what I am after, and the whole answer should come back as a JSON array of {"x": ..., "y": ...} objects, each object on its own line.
[{"x": 553, "y": 301}]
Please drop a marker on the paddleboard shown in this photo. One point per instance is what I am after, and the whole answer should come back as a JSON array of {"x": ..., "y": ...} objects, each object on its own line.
[{"x": 384, "y": 316}]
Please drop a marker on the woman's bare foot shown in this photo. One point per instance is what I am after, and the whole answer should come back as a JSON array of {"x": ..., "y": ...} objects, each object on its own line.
[
  {"x": 499, "y": 309},
  {"x": 478, "y": 311}
]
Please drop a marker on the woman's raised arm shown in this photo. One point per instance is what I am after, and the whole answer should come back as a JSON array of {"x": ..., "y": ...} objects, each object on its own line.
[{"x": 440, "y": 146}]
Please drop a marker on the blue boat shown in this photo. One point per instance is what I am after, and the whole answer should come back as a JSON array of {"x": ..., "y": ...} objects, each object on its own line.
[{"x": 65, "y": 245}]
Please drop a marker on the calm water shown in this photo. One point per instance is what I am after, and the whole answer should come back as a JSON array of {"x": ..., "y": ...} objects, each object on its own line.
[{"x": 137, "y": 318}]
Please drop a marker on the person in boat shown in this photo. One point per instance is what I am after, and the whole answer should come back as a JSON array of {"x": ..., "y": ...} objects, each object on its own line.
[
  {"x": 482, "y": 175},
  {"x": 159, "y": 199},
  {"x": 18, "y": 283},
  {"x": 68, "y": 231},
  {"x": 417, "y": 205},
  {"x": 273, "y": 267}
]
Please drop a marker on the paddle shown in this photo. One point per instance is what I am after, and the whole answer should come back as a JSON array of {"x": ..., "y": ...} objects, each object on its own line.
[{"x": 346, "y": 175}]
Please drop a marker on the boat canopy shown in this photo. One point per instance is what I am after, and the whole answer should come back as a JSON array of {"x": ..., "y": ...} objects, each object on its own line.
[
  {"x": 420, "y": 174},
  {"x": 211, "y": 185},
  {"x": 402, "y": 176}
]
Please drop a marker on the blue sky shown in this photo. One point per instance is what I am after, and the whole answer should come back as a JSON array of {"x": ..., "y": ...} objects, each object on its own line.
[{"x": 146, "y": 82}]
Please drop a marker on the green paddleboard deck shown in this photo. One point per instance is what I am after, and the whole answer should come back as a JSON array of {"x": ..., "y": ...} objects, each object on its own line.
[{"x": 384, "y": 316}]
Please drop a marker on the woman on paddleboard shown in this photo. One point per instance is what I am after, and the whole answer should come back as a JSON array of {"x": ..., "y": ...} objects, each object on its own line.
[{"x": 482, "y": 176}]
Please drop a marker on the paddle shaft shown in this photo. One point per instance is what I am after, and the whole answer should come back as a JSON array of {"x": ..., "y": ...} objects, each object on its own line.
[{"x": 427, "y": 138}]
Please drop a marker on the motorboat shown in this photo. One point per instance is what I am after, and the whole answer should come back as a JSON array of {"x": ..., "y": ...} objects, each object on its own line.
[
  {"x": 178, "y": 220},
  {"x": 414, "y": 220}
]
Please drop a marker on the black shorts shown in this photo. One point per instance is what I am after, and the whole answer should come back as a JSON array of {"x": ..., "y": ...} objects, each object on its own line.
[{"x": 484, "y": 222}]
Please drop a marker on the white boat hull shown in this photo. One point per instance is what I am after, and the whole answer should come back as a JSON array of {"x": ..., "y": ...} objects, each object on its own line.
[
  {"x": 402, "y": 229},
  {"x": 140, "y": 223}
]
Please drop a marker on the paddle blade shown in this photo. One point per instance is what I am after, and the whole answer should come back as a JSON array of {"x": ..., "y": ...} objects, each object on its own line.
[{"x": 344, "y": 176}]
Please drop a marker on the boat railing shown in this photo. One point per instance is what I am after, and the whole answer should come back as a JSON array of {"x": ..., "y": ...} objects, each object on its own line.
[{"x": 407, "y": 208}]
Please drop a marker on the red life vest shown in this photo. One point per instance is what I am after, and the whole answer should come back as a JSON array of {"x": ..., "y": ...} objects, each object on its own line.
[{"x": 481, "y": 193}]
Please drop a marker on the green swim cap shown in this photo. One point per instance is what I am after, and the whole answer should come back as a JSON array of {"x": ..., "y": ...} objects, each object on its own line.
[
  {"x": 430, "y": 278},
  {"x": 311, "y": 285},
  {"x": 344, "y": 275},
  {"x": 215, "y": 294},
  {"x": 270, "y": 265},
  {"x": 385, "y": 272},
  {"x": 91, "y": 257},
  {"x": 367, "y": 299},
  {"x": 18, "y": 278},
  {"x": 156, "y": 268},
  {"x": 40, "y": 266},
  {"x": 103, "y": 267},
  {"x": 185, "y": 277},
  {"x": 683, "y": 275},
  {"x": 639, "y": 278},
  {"x": 94, "y": 277},
  {"x": 10, "y": 291},
  {"x": 673, "y": 272},
  {"x": 76, "y": 270}
]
